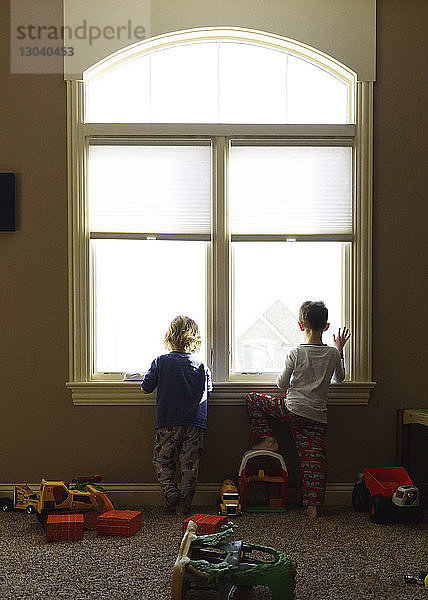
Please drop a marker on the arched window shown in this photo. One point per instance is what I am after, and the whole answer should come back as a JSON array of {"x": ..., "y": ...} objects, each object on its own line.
[
  {"x": 224, "y": 174},
  {"x": 219, "y": 78}
]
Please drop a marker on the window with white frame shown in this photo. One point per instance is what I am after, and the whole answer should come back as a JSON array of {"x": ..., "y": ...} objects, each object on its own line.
[{"x": 225, "y": 175}]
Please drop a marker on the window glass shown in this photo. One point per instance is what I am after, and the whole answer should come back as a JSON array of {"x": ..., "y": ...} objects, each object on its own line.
[
  {"x": 139, "y": 287},
  {"x": 184, "y": 84},
  {"x": 252, "y": 84},
  {"x": 121, "y": 94},
  {"x": 314, "y": 96},
  {"x": 270, "y": 282},
  {"x": 216, "y": 82}
]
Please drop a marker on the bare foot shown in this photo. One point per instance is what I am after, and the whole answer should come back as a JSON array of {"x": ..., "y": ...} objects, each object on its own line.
[
  {"x": 312, "y": 512},
  {"x": 267, "y": 443}
]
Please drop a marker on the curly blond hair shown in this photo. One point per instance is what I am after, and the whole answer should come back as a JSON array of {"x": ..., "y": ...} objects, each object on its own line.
[{"x": 183, "y": 335}]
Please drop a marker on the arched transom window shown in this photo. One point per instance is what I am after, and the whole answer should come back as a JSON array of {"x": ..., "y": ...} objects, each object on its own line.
[{"x": 220, "y": 79}]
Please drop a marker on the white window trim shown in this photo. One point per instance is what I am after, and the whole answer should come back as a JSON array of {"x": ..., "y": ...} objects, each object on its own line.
[{"x": 89, "y": 392}]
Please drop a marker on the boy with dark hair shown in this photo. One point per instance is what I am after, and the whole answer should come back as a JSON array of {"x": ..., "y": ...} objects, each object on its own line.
[{"x": 306, "y": 377}]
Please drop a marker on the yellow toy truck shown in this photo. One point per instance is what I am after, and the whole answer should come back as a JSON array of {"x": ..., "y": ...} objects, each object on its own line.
[
  {"x": 56, "y": 497},
  {"x": 25, "y": 499},
  {"x": 229, "y": 502}
]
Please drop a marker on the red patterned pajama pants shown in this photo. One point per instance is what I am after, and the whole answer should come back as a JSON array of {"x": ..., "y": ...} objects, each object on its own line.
[{"x": 309, "y": 437}]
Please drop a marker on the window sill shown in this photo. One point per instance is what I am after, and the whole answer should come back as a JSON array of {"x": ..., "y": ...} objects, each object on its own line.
[{"x": 127, "y": 393}]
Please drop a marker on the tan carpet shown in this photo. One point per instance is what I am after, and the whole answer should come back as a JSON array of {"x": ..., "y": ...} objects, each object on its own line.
[{"x": 339, "y": 556}]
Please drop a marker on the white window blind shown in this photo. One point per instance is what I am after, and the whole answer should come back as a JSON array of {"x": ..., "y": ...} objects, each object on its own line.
[
  {"x": 290, "y": 189},
  {"x": 150, "y": 188}
]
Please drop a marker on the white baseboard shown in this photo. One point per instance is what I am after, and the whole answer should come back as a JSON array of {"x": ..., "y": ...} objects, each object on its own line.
[{"x": 140, "y": 494}]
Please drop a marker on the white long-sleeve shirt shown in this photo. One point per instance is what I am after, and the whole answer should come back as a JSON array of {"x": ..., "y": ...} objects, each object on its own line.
[{"x": 307, "y": 373}]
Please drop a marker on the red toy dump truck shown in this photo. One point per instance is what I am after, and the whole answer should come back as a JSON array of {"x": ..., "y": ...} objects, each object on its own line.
[{"x": 387, "y": 494}]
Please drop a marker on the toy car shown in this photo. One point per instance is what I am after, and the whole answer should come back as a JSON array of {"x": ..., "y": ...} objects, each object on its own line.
[
  {"x": 25, "y": 499},
  {"x": 6, "y": 504},
  {"x": 387, "y": 494},
  {"x": 229, "y": 502}
]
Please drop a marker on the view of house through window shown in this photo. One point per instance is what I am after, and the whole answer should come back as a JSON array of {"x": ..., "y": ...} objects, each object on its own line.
[
  {"x": 271, "y": 280},
  {"x": 162, "y": 207}
]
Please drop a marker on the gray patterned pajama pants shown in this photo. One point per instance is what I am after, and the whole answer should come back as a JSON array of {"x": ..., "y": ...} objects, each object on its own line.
[{"x": 187, "y": 442}]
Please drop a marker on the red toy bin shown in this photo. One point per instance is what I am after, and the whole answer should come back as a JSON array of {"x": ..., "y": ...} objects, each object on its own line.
[
  {"x": 385, "y": 480},
  {"x": 123, "y": 523},
  {"x": 206, "y": 524},
  {"x": 60, "y": 528}
]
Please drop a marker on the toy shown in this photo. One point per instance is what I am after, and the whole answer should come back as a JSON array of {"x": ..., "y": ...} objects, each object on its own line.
[
  {"x": 263, "y": 476},
  {"x": 209, "y": 562},
  {"x": 64, "y": 527},
  {"x": 388, "y": 494},
  {"x": 24, "y": 498},
  {"x": 80, "y": 483},
  {"x": 58, "y": 497},
  {"x": 121, "y": 523},
  {"x": 205, "y": 523},
  {"x": 229, "y": 502},
  {"x": 6, "y": 504},
  {"x": 420, "y": 579},
  {"x": 55, "y": 497}
]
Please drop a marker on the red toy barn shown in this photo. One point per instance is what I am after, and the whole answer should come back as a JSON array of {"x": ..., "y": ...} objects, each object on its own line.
[{"x": 262, "y": 477}]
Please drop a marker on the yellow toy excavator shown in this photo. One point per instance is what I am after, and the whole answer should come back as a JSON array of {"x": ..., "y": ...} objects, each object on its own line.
[{"x": 54, "y": 497}]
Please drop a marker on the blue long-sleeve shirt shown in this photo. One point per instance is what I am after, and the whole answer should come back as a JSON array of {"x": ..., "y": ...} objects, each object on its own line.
[{"x": 183, "y": 384}]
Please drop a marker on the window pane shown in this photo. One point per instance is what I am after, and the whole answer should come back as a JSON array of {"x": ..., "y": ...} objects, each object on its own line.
[
  {"x": 270, "y": 282},
  {"x": 216, "y": 81},
  {"x": 150, "y": 189},
  {"x": 290, "y": 189},
  {"x": 252, "y": 84},
  {"x": 139, "y": 287},
  {"x": 315, "y": 96},
  {"x": 121, "y": 94},
  {"x": 185, "y": 84}
]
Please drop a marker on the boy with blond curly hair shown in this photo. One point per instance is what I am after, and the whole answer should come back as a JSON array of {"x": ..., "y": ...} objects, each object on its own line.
[{"x": 183, "y": 384}]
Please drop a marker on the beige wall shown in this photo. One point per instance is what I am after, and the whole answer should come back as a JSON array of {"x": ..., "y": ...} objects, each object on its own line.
[
  {"x": 344, "y": 29},
  {"x": 43, "y": 434}
]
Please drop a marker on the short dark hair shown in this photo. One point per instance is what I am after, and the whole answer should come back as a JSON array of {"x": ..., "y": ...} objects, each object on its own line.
[{"x": 313, "y": 315}]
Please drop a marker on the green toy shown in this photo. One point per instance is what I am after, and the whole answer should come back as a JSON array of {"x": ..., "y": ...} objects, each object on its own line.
[{"x": 207, "y": 561}]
